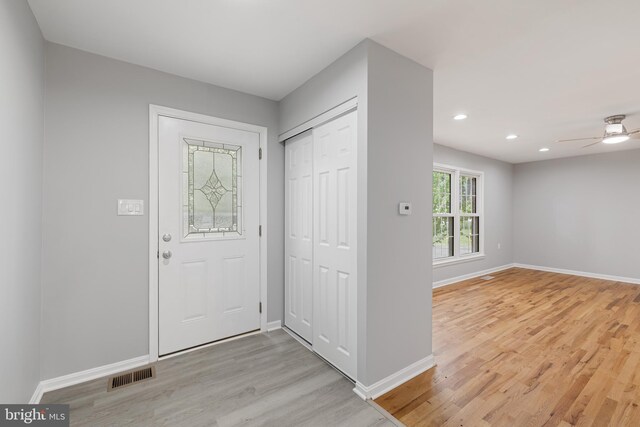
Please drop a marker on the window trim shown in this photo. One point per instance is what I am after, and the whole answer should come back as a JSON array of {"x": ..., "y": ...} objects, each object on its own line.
[{"x": 455, "y": 212}]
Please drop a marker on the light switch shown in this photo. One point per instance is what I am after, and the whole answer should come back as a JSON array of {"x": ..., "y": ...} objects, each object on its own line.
[
  {"x": 130, "y": 207},
  {"x": 404, "y": 208}
]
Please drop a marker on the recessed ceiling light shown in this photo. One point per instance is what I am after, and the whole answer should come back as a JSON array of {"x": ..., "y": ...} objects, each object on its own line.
[
  {"x": 459, "y": 117},
  {"x": 512, "y": 136},
  {"x": 543, "y": 150}
]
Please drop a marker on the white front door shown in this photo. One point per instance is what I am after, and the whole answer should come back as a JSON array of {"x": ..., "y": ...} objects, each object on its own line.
[
  {"x": 298, "y": 245},
  {"x": 207, "y": 233},
  {"x": 335, "y": 249}
]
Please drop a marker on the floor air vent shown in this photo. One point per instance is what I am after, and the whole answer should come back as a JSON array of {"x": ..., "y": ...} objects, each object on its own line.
[
  {"x": 487, "y": 277},
  {"x": 131, "y": 377}
]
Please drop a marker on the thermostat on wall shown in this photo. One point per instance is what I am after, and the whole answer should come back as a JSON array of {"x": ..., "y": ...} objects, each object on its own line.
[{"x": 404, "y": 208}]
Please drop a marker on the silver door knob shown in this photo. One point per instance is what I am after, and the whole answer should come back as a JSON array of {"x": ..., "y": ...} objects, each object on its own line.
[
  {"x": 166, "y": 237},
  {"x": 166, "y": 254}
]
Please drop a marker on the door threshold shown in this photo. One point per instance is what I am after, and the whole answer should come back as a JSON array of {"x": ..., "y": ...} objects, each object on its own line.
[
  {"x": 297, "y": 337},
  {"x": 310, "y": 348},
  {"x": 209, "y": 344}
]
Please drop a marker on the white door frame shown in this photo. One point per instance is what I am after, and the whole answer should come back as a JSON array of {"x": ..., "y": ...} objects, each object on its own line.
[{"x": 155, "y": 111}]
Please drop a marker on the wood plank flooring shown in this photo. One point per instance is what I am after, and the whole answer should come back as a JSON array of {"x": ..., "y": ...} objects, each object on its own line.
[
  {"x": 266, "y": 379},
  {"x": 529, "y": 348}
]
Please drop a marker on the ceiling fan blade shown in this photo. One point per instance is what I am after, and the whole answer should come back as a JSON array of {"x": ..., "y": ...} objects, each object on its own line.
[
  {"x": 634, "y": 132},
  {"x": 593, "y": 143},
  {"x": 579, "y": 139}
]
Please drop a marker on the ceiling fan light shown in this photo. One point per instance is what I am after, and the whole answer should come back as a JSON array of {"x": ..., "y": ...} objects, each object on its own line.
[
  {"x": 615, "y": 128},
  {"x": 615, "y": 139}
]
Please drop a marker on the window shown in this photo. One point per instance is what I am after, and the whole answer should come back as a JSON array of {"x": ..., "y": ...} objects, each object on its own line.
[
  {"x": 457, "y": 214},
  {"x": 212, "y": 185}
]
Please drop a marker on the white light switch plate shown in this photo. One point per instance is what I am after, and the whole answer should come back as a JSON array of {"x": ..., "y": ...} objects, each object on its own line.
[
  {"x": 404, "y": 208},
  {"x": 130, "y": 207}
]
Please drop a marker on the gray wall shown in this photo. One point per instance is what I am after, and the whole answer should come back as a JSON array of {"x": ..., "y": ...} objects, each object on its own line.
[
  {"x": 400, "y": 144},
  {"x": 579, "y": 213},
  {"x": 498, "y": 207},
  {"x": 394, "y": 252},
  {"x": 21, "y": 127},
  {"x": 95, "y": 268},
  {"x": 340, "y": 81}
]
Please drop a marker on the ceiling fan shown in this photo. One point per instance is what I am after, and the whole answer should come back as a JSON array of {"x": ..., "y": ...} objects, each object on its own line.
[{"x": 614, "y": 132}]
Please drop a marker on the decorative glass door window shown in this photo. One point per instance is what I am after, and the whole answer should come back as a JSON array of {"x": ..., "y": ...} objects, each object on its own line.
[
  {"x": 212, "y": 189},
  {"x": 457, "y": 214}
]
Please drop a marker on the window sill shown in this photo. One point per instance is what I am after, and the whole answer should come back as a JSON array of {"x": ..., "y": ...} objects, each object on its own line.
[{"x": 457, "y": 260}]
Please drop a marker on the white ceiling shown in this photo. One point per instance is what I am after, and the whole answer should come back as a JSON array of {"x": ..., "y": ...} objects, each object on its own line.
[{"x": 543, "y": 69}]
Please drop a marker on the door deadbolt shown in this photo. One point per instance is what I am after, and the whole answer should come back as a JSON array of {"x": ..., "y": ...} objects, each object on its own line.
[{"x": 166, "y": 237}]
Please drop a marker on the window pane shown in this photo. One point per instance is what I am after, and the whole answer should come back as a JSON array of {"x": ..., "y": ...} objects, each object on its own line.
[
  {"x": 468, "y": 193},
  {"x": 441, "y": 192},
  {"x": 212, "y": 188},
  {"x": 469, "y": 235},
  {"x": 442, "y": 237}
]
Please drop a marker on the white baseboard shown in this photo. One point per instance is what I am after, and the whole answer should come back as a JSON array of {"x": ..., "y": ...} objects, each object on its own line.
[
  {"x": 394, "y": 380},
  {"x": 37, "y": 394},
  {"x": 272, "y": 326},
  {"x": 579, "y": 273},
  {"x": 457, "y": 279},
  {"x": 88, "y": 375}
]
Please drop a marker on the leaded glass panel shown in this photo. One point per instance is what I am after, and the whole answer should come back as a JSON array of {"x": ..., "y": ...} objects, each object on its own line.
[{"x": 212, "y": 175}]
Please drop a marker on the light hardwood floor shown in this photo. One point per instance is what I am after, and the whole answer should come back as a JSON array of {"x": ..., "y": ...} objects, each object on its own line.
[
  {"x": 529, "y": 348},
  {"x": 266, "y": 379}
]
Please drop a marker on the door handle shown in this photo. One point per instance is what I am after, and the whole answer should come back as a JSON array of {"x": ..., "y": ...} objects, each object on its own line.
[{"x": 166, "y": 254}]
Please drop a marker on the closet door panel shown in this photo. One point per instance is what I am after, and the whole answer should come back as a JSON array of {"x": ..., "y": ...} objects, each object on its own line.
[
  {"x": 299, "y": 235},
  {"x": 334, "y": 249}
]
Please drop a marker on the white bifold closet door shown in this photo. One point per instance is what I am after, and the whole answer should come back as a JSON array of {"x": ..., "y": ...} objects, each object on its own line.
[
  {"x": 299, "y": 235},
  {"x": 333, "y": 299},
  {"x": 334, "y": 255}
]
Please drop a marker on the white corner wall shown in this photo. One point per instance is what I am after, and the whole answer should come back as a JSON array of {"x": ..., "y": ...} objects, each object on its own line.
[
  {"x": 21, "y": 127},
  {"x": 498, "y": 212},
  {"x": 580, "y": 214}
]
